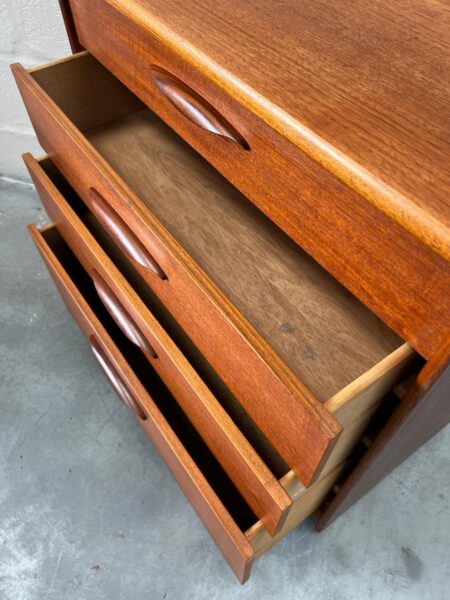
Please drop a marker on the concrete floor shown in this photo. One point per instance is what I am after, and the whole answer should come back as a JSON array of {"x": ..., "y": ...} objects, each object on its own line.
[{"x": 88, "y": 510}]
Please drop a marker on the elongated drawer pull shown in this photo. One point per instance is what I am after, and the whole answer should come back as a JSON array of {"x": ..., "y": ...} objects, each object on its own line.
[
  {"x": 122, "y": 234},
  {"x": 115, "y": 380},
  {"x": 195, "y": 108},
  {"x": 120, "y": 315}
]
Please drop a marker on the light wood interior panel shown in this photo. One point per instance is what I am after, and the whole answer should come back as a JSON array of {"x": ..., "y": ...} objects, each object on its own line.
[
  {"x": 305, "y": 504},
  {"x": 85, "y": 91}
]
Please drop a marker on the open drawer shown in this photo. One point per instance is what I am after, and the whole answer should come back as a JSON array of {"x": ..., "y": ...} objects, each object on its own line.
[
  {"x": 228, "y": 518},
  {"x": 207, "y": 487},
  {"x": 293, "y": 346}
]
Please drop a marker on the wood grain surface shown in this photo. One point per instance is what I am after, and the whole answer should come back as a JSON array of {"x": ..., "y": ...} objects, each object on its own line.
[
  {"x": 326, "y": 336},
  {"x": 362, "y": 87}
]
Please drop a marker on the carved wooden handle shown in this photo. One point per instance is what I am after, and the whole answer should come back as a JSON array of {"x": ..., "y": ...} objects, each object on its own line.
[
  {"x": 120, "y": 315},
  {"x": 122, "y": 234},
  {"x": 115, "y": 380},
  {"x": 195, "y": 108}
]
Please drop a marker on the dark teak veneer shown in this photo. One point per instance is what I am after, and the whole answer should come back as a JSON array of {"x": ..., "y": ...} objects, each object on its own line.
[{"x": 251, "y": 227}]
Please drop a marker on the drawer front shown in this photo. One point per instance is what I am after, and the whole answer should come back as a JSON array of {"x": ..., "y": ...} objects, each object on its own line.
[
  {"x": 384, "y": 265},
  {"x": 251, "y": 476},
  {"x": 221, "y": 526},
  {"x": 294, "y": 421}
]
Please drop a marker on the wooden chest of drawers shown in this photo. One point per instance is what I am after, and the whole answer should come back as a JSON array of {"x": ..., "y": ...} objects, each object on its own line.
[{"x": 260, "y": 267}]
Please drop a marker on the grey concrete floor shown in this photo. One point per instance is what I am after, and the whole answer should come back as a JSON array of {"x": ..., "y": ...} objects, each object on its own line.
[{"x": 88, "y": 510}]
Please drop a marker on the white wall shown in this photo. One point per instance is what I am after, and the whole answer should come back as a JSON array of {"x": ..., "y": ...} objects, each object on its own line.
[{"x": 31, "y": 31}]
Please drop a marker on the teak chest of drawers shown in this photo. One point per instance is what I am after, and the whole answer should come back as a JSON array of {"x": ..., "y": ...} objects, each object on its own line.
[{"x": 251, "y": 227}]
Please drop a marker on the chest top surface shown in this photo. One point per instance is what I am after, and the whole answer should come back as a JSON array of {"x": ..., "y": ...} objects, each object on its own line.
[{"x": 361, "y": 86}]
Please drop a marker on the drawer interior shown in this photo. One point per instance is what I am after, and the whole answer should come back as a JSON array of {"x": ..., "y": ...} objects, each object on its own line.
[
  {"x": 322, "y": 332},
  {"x": 187, "y": 434}
]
